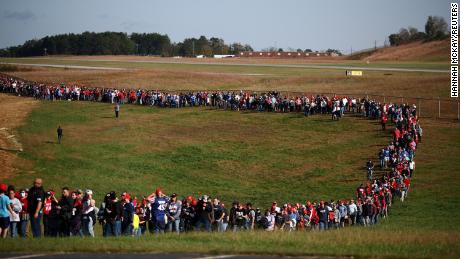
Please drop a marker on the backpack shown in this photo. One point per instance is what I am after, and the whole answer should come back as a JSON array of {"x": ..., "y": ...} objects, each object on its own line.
[
  {"x": 264, "y": 222},
  {"x": 331, "y": 216}
]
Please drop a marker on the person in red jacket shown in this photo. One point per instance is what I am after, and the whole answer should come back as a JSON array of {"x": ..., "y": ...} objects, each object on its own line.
[
  {"x": 396, "y": 134},
  {"x": 384, "y": 121}
]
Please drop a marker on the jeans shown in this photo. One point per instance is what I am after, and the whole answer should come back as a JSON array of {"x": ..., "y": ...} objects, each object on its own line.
[
  {"x": 221, "y": 226},
  {"x": 35, "y": 225},
  {"x": 203, "y": 222},
  {"x": 306, "y": 111},
  {"x": 108, "y": 229},
  {"x": 127, "y": 229},
  {"x": 367, "y": 220},
  {"x": 376, "y": 219},
  {"x": 117, "y": 228},
  {"x": 353, "y": 219},
  {"x": 137, "y": 232},
  {"x": 159, "y": 225},
  {"x": 23, "y": 228},
  {"x": 87, "y": 226},
  {"x": 322, "y": 226},
  {"x": 176, "y": 223},
  {"x": 14, "y": 228}
]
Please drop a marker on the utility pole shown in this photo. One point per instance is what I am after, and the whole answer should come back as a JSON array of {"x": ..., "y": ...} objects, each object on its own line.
[
  {"x": 375, "y": 45},
  {"x": 44, "y": 51},
  {"x": 351, "y": 51},
  {"x": 193, "y": 48}
]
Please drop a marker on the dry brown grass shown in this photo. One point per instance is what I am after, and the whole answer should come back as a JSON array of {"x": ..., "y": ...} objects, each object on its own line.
[
  {"x": 13, "y": 111},
  {"x": 431, "y": 51},
  {"x": 426, "y": 85}
]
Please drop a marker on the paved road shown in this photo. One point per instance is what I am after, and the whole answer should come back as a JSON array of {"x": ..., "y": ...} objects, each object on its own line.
[
  {"x": 143, "y": 256},
  {"x": 335, "y": 67}
]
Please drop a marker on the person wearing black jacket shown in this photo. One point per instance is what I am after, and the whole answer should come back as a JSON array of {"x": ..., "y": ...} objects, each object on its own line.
[
  {"x": 117, "y": 216},
  {"x": 113, "y": 214},
  {"x": 65, "y": 205},
  {"x": 145, "y": 215},
  {"x": 323, "y": 214},
  {"x": 232, "y": 216},
  {"x": 35, "y": 199},
  {"x": 204, "y": 213},
  {"x": 187, "y": 215},
  {"x": 75, "y": 219},
  {"x": 127, "y": 215},
  {"x": 59, "y": 134},
  {"x": 367, "y": 212}
]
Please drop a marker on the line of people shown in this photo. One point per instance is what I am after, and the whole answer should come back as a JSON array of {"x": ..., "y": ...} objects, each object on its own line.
[
  {"x": 75, "y": 212},
  {"x": 236, "y": 100}
]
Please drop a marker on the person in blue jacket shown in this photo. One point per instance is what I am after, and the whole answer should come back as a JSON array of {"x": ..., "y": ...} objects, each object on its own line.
[{"x": 159, "y": 202}]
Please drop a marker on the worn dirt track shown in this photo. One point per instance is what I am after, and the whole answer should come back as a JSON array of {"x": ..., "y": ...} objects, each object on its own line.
[{"x": 13, "y": 112}]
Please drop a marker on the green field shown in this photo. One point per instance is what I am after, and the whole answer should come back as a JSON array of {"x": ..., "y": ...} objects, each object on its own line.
[
  {"x": 258, "y": 157},
  {"x": 196, "y": 150}
]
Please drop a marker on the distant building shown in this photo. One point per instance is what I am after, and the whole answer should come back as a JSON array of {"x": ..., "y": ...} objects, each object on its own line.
[
  {"x": 266, "y": 54},
  {"x": 224, "y": 56}
]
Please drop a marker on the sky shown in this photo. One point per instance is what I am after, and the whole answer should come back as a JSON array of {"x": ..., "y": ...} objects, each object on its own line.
[{"x": 317, "y": 25}]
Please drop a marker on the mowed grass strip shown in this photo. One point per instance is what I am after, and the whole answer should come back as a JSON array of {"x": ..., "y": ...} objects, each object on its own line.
[{"x": 351, "y": 242}]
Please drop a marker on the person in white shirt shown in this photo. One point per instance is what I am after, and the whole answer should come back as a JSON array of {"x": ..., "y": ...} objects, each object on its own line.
[
  {"x": 271, "y": 221},
  {"x": 411, "y": 167},
  {"x": 88, "y": 214},
  {"x": 14, "y": 217},
  {"x": 353, "y": 211}
]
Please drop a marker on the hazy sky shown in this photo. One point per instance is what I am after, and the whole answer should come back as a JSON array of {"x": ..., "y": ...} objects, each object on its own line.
[{"x": 318, "y": 25}]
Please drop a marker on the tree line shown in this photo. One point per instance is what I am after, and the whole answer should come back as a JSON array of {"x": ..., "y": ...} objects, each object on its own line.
[
  {"x": 119, "y": 43},
  {"x": 435, "y": 29}
]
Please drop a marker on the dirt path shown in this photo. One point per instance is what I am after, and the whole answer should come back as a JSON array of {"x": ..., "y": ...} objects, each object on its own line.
[{"x": 13, "y": 111}]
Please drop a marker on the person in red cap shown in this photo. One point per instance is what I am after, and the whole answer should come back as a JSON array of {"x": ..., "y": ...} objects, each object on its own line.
[
  {"x": 5, "y": 211},
  {"x": 128, "y": 214}
]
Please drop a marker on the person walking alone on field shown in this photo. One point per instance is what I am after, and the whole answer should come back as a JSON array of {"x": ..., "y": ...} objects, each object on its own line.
[
  {"x": 59, "y": 134},
  {"x": 117, "y": 110}
]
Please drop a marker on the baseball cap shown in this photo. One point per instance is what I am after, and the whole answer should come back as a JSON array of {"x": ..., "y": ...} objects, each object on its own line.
[
  {"x": 158, "y": 190},
  {"x": 3, "y": 187}
]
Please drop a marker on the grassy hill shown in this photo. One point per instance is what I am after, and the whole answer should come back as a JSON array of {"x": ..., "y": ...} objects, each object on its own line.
[
  {"x": 434, "y": 51},
  {"x": 255, "y": 157}
]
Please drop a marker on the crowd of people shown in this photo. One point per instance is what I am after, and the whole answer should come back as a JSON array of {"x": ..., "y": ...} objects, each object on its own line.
[
  {"x": 232, "y": 100},
  {"x": 75, "y": 212}
]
